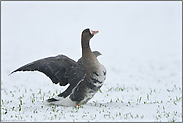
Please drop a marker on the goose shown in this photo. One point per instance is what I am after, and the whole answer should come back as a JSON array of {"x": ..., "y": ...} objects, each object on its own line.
[{"x": 85, "y": 77}]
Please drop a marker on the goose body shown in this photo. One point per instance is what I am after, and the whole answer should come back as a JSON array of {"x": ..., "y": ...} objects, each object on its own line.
[{"x": 85, "y": 77}]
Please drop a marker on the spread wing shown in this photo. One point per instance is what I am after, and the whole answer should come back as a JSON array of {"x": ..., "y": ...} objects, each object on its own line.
[{"x": 60, "y": 69}]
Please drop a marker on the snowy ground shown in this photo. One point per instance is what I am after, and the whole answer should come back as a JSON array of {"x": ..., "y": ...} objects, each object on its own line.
[{"x": 141, "y": 46}]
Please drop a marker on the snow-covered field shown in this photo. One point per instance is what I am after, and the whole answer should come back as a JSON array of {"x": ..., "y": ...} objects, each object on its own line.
[{"x": 141, "y": 46}]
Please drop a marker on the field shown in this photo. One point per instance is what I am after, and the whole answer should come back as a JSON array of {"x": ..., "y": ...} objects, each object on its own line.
[{"x": 141, "y": 46}]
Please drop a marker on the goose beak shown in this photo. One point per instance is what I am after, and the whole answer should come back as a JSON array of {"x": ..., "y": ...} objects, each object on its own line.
[{"x": 94, "y": 32}]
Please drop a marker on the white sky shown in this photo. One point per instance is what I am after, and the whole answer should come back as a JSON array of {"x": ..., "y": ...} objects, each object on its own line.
[{"x": 150, "y": 30}]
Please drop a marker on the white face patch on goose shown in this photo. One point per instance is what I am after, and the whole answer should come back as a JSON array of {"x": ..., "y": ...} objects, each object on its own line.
[{"x": 91, "y": 31}]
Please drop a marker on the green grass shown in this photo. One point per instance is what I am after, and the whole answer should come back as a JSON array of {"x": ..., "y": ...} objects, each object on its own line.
[{"x": 31, "y": 101}]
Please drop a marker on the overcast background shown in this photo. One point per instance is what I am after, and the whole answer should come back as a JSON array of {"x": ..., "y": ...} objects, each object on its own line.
[{"x": 136, "y": 39}]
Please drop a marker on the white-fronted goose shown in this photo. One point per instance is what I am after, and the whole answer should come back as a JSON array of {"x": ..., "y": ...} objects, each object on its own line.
[{"x": 85, "y": 77}]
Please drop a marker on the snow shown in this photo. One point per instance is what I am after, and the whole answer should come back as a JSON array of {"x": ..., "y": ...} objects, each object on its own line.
[{"x": 141, "y": 46}]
